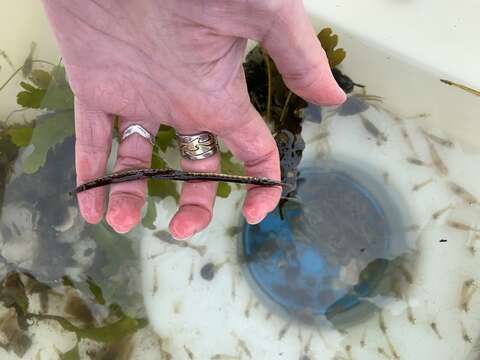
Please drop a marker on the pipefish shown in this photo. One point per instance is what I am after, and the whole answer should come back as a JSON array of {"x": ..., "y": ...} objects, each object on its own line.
[{"x": 172, "y": 174}]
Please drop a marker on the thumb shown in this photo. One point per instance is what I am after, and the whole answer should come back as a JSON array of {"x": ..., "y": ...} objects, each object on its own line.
[{"x": 300, "y": 58}]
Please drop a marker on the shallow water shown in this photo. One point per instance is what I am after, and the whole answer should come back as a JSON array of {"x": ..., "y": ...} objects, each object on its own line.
[{"x": 418, "y": 172}]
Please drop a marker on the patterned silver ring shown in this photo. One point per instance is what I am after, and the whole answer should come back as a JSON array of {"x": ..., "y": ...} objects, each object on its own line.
[
  {"x": 137, "y": 129},
  {"x": 197, "y": 146}
]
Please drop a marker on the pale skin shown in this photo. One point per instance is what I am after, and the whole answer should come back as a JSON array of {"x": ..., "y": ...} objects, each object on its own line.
[{"x": 178, "y": 62}]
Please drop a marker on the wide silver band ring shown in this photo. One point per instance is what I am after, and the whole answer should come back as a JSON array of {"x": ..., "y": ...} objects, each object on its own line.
[
  {"x": 197, "y": 146},
  {"x": 137, "y": 129}
]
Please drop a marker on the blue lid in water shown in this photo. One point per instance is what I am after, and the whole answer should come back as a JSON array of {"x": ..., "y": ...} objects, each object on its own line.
[{"x": 322, "y": 252}]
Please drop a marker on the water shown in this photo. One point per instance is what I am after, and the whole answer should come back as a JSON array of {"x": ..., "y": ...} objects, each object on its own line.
[{"x": 415, "y": 284}]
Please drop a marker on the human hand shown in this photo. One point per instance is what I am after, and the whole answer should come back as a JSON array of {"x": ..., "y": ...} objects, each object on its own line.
[{"x": 178, "y": 62}]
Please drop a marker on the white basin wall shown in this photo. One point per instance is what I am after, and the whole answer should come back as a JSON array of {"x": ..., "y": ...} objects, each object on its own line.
[{"x": 435, "y": 34}]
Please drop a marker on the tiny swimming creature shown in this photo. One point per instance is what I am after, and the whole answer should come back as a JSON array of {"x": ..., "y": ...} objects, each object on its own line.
[
  {"x": 468, "y": 290},
  {"x": 437, "y": 162},
  {"x": 243, "y": 345},
  {"x": 362, "y": 340},
  {"x": 225, "y": 357},
  {"x": 460, "y": 226},
  {"x": 411, "y": 318},
  {"x": 284, "y": 330},
  {"x": 418, "y": 186},
  {"x": 434, "y": 327},
  {"x": 407, "y": 139},
  {"x": 248, "y": 307},
  {"x": 386, "y": 178},
  {"x": 458, "y": 190},
  {"x": 382, "y": 351},
  {"x": 189, "y": 352},
  {"x": 438, "y": 213},
  {"x": 27, "y": 65},
  {"x": 4, "y": 55},
  {"x": 190, "y": 277},
  {"x": 437, "y": 139},
  {"x": 155, "y": 281},
  {"x": 373, "y": 130},
  {"x": 415, "y": 161},
  {"x": 465, "y": 335}
]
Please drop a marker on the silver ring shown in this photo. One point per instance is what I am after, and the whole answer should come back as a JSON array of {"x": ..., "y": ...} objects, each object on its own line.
[
  {"x": 137, "y": 129},
  {"x": 197, "y": 146}
]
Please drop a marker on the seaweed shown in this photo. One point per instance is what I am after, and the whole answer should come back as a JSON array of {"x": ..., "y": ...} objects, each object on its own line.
[
  {"x": 115, "y": 326},
  {"x": 283, "y": 110},
  {"x": 8, "y": 154}
]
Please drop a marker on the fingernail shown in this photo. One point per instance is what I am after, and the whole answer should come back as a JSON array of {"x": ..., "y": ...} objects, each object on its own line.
[
  {"x": 180, "y": 232},
  {"x": 122, "y": 219},
  {"x": 88, "y": 208},
  {"x": 254, "y": 216}
]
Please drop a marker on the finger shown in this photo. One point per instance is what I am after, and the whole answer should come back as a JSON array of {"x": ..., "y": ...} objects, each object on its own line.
[
  {"x": 253, "y": 144},
  {"x": 127, "y": 199},
  {"x": 300, "y": 58},
  {"x": 196, "y": 200},
  {"x": 93, "y": 131}
]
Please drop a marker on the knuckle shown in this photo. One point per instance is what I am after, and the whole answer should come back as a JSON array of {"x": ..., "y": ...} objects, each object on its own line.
[
  {"x": 303, "y": 77},
  {"x": 131, "y": 162},
  {"x": 270, "y": 7}
]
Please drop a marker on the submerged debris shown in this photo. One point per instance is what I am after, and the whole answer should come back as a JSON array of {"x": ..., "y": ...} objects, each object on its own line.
[
  {"x": 207, "y": 272},
  {"x": 460, "y": 86},
  {"x": 12, "y": 337}
]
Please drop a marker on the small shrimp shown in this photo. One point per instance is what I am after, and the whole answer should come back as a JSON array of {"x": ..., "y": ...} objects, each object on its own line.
[
  {"x": 468, "y": 290},
  {"x": 410, "y": 316},
  {"x": 460, "y": 226},
  {"x": 437, "y": 139},
  {"x": 155, "y": 282},
  {"x": 434, "y": 327},
  {"x": 418, "y": 186},
  {"x": 248, "y": 307},
  {"x": 465, "y": 335},
  {"x": 462, "y": 193},
  {"x": 189, "y": 352},
  {"x": 408, "y": 139},
  {"x": 284, "y": 330},
  {"x": 438, "y": 213},
  {"x": 437, "y": 162},
  {"x": 373, "y": 130},
  {"x": 415, "y": 161}
]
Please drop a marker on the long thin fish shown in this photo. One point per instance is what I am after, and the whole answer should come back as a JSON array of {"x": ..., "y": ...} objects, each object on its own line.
[{"x": 172, "y": 174}]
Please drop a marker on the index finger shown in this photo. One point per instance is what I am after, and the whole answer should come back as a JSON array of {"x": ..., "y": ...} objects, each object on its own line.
[{"x": 253, "y": 144}]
